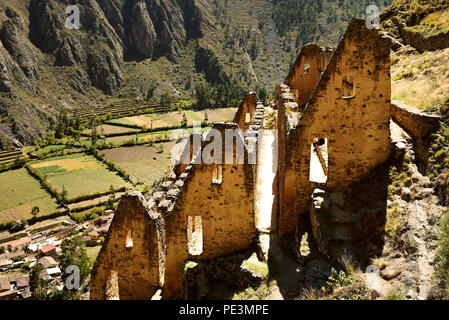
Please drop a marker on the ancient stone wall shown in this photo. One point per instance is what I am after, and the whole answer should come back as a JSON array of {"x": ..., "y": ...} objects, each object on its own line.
[
  {"x": 416, "y": 123},
  {"x": 131, "y": 250},
  {"x": 200, "y": 214},
  {"x": 350, "y": 108},
  {"x": 226, "y": 208},
  {"x": 306, "y": 71},
  {"x": 246, "y": 111},
  {"x": 420, "y": 126}
]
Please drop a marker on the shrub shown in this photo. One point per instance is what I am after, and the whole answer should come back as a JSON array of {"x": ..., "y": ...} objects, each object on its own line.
[
  {"x": 442, "y": 258},
  {"x": 395, "y": 294}
]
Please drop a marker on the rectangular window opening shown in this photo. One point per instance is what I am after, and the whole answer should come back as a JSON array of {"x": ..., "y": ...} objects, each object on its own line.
[
  {"x": 319, "y": 160},
  {"x": 306, "y": 68},
  {"x": 217, "y": 173},
  {"x": 195, "y": 235},
  {"x": 129, "y": 239},
  {"x": 348, "y": 87}
]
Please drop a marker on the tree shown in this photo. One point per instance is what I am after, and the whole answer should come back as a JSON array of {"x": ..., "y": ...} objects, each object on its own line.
[
  {"x": 202, "y": 95},
  {"x": 111, "y": 199},
  {"x": 74, "y": 254},
  {"x": 35, "y": 211},
  {"x": 262, "y": 93},
  {"x": 151, "y": 89},
  {"x": 184, "y": 121},
  {"x": 38, "y": 285},
  {"x": 166, "y": 99},
  {"x": 93, "y": 125},
  {"x": 64, "y": 194},
  {"x": 2, "y": 249},
  {"x": 206, "y": 117}
]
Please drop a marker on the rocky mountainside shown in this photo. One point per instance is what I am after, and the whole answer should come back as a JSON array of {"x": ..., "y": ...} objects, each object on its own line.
[
  {"x": 46, "y": 66},
  {"x": 131, "y": 51}
]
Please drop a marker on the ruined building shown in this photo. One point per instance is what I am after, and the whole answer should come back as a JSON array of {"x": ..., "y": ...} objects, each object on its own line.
[{"x": 332, "y": 117}]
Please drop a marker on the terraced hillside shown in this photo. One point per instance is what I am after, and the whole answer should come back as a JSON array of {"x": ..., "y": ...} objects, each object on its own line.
[{"x": 232, "y": 45}]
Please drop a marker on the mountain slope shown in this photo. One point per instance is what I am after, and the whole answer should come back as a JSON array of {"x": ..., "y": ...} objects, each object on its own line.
[{"x": 133, "y": 51}]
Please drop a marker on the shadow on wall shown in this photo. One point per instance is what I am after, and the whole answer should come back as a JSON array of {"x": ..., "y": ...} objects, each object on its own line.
[
  {"x": 348, "y": 226},
  {"x": 219, "y": 279}
]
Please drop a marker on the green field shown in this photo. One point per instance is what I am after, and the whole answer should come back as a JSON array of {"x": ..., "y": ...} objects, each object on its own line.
[
  {"x": 144, "y": 164},
  {"x": 173, "y": 119},
  {"x": 110, "y": 129},
  {"x": 80, "y": 174},
  {"x": 92, "y": 253},
  {"x": 20, "y": 193},
  {"x": 49, "y": 149}
]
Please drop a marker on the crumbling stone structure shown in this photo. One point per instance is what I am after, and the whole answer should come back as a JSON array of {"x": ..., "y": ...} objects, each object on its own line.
[
  {"x": 245, "y": 113},
  {"x": 419, "y": 126},
  {"x": 343, "y": 132},
  {"x": 306, "y": 72},
  {"x": 203, "y": 213},
  {"x": 333, "y": 121}
]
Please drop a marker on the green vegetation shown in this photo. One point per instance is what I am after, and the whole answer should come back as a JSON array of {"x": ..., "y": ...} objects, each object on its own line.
[
  {"x": 74, "y": 254},
  {"x": 144, "y": 164},
  {"x": 442, "y": 258},
  {"x": 328, "y": 21},
  {"x": 92, "y": 253},
  {"x": 87, "y": 215},
  {"x": 395, "y": 294},
  {"x": 21, "y": 193},
  {"x": 259, "y": 293},
  {"x": 346, "y": 286},
  {"x": 81, "y": 175}
]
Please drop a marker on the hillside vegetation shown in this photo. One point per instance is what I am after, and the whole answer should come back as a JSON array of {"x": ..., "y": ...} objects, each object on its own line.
[{"x": 133, "y": 52}]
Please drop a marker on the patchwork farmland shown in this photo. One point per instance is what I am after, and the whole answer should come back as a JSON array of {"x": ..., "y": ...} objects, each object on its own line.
[
  {"x": 132, "y": 152},
  {"x": 20, "y": 193},
  {"x": 79, "y": 174},
  {"x": 173, "y": 119},
  {"x": 144, "y": 164}
]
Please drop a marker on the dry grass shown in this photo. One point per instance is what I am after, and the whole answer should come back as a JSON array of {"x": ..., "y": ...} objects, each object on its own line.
[{"x": 420, "y": 80}]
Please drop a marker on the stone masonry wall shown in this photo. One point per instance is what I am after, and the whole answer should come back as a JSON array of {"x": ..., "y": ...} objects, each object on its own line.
[
  {"x": 160, "y": 226},
  {"x": 248, "y": 105},
  {"x": 357, "y": 128},
  {"x": 226, "y": 210},
  {"x": 416, "y": 123},
  {"x": 138, "y": 266},
  {"x": 302, "y": 82}
]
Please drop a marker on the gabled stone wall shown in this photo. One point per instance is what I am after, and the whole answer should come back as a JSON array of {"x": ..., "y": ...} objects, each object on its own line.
[
  {"x": 306, "y": 71},
  {"x": 137, "y": 266},
  {"x": 160, "y": 225},
  {"x": 356, "y": 127},
  {"x": 245, "y": 113}
]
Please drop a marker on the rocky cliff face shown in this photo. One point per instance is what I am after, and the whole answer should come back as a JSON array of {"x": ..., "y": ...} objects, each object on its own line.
[{"x": 36, "y": 46}]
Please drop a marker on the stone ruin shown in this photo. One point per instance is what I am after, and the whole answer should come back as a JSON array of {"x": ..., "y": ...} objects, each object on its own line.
[{"x": 333, "y": 123}]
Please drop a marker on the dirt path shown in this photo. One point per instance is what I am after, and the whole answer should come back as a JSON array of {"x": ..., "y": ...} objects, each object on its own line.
[
  {"x": 266, "y": 172},
  {"x": 418, "y": 221}
]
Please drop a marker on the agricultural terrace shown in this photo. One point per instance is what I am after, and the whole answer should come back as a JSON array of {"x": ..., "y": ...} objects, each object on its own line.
[
  {"x": 149, "y": 136},
  {"x": 109, "y": 129},
  {"x": 20, "y": 193},
  {"x": 144, "y": 164},
  {"x": 173, "y": 119},
  {"x": 80, "y": 174}
]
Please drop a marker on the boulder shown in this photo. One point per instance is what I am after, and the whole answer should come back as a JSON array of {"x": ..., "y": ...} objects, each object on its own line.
[{"x": 391, "y": 271}]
